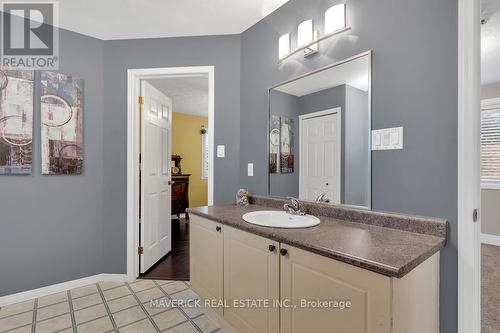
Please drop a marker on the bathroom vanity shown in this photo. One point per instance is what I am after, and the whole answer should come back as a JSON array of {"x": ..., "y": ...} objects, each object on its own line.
[{"x": 385, "y": 265}]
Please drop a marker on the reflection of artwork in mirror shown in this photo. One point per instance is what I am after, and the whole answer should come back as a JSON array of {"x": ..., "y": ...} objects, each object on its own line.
[
  {"x": 326, "y": 115},
  {"x": 62, "y": 125},
  {"x": 274, "y": 144},
  {"x": 286, "y": 145},
  {"x": 16, "y": 122}
]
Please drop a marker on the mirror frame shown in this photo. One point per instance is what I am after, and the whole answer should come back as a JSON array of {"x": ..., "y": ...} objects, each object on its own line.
[{"x": 338, "y": 63}]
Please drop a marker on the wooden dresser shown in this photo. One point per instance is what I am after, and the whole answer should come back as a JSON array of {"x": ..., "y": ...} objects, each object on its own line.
[{"x": 180, "y": 194}]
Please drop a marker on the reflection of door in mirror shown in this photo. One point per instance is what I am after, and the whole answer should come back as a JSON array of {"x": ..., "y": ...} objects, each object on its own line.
[
  {"x": 327, "y": 114},
  {"x": 320, "y": 155}
]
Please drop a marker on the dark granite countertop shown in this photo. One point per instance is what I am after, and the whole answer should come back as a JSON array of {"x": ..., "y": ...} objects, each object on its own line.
[{"x": 385, "y": 250}]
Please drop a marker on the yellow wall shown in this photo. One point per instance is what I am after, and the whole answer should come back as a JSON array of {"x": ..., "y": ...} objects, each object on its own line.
[{"x": 186, "y": 142}]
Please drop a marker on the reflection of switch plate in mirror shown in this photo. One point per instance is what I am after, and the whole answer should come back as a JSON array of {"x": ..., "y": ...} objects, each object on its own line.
[
  {"x": 387, "y": 138},
  {"x": 221, "y": 151}
]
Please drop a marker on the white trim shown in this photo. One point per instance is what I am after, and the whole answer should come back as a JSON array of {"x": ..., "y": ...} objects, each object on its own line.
[
  {"x": 56, "y": 288},
  {"x": 315, "y": 115},
  {"x": 469, "y": 260},
  {"x": 133, "y": 91},
  {"x": 490, "y": 239}
]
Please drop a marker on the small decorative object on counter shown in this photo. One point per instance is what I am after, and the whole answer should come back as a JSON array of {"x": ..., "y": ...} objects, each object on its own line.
[{"x": 242, "y": 197}]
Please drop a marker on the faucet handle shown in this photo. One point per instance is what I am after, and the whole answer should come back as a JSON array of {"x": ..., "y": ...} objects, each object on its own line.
[{"x": 295, "y": 202}]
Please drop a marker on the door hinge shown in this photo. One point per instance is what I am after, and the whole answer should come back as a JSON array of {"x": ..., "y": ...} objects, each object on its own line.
[
  {"x": 475, "y": 215},
  {"x": 140, "y": 250},
  {"x": 141, "y": 100}
]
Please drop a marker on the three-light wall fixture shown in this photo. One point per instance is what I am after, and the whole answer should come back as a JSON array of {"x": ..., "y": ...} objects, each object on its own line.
[{"x": 308, "y": 38}]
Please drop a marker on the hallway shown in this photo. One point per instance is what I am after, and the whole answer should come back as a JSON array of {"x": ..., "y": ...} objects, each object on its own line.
[{"x": 175, "y": 265}]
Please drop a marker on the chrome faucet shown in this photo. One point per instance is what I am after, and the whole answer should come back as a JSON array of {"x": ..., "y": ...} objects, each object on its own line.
[
  {"x": 293, "y": 207},
  {"x": 322, "y": 198}
]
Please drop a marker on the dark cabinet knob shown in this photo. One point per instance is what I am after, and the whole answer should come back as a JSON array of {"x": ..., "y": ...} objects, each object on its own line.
[
  {"x": 283, "y": 252},
  {"x": 218, "y": 228},
  {"x": 272, "y": 248}
]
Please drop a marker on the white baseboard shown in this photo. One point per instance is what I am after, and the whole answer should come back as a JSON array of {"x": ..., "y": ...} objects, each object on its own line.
[
  {"x": 490, "y": 239},
  {"x": 56, "y": 288}
]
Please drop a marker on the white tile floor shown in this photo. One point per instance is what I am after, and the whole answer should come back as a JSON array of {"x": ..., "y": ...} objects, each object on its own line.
[{"x": 109, "y": 307}]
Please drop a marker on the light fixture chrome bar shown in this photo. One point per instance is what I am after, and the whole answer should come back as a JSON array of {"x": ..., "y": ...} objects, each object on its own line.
[{"x": 308, "y": 46}]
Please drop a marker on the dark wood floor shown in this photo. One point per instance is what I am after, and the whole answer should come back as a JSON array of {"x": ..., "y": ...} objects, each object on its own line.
[{"x": 175, "y": 265}]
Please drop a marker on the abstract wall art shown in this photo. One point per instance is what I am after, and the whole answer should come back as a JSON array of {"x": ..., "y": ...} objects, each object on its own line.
[
  {"x": 281, "y": 143},
  {"x": 274, "y": 144},
  {"x": 62, "y": 124},
  {"x": 16, "y": 122},
  {"x": 286, "y": 143}
]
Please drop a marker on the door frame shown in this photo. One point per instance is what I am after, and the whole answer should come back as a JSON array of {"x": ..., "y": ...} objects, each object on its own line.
[
  {"x": 134, "y": 76},
  {"x": 469, "y": 195},
  {"x": 301, "y": 155}
]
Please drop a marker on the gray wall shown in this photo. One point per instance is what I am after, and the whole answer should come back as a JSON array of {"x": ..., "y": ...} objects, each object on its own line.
[
  {"x": 51, "y": 226},
  {"x": 223, "y": 52},
  {"x": 60, "y": 228},
  {"x": 415, "y": 62},
  {"x": 357, "y": 148}
]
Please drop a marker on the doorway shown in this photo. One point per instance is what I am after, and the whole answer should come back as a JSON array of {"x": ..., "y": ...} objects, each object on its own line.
[
  {"x": 162, "y": 181},
  {"x": 320, "y": 173},
  {"x": 490, "y": 166}
]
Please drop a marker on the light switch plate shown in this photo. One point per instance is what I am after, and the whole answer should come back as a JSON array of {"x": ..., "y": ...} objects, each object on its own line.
[
  {"x": 387, "y": 138},
  {"x": 221, "y": 151},
  {"x": 250, "y": 169}
]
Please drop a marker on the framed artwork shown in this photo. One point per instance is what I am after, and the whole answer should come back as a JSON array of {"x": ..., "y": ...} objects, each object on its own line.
[
  {"x": 16, "y": 122},
  {"x": 274, "y": 144},
  {"x": 281, "y": 143},
  {"x": 286, "y": 145},
  {"x": 62, "y": 124}
]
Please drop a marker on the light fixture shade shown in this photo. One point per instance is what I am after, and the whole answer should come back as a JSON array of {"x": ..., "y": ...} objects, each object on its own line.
[
  {"x": 283, "y": 46},
  {"x": 334, "y": 18},
  {"x": 305, "y": 33}
]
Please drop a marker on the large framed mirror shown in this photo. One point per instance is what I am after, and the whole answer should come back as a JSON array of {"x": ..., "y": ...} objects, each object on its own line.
[{"x": 319, "y": 135}]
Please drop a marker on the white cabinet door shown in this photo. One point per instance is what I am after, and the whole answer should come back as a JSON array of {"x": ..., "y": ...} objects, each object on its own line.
[
  {"x": 156, "y": 116},
  {"x": 306, "y": 276},
  {"x": 251, "y": 272},
  {"x": 320, "y": 155},
  {"x": 206, "y": 259}
]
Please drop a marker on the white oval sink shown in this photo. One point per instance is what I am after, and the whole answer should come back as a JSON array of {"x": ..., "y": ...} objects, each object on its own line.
[{"x": 279, "y": 219}]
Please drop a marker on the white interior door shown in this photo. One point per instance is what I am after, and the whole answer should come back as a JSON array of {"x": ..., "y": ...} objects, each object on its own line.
[
  {"x": 321, "y": 155},
  {"x": 156, "y": 138}
]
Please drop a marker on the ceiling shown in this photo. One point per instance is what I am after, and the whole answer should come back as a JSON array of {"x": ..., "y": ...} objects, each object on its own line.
[
  {"x": 353, "y": 73},
  {"x": 490, "y": 42},
  {"x": 127, "y": 19},
  {"x": 189, "y": 94}
]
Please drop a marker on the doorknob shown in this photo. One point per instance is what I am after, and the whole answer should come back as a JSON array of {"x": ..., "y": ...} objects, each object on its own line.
[{"x": 170, "y": 182}]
